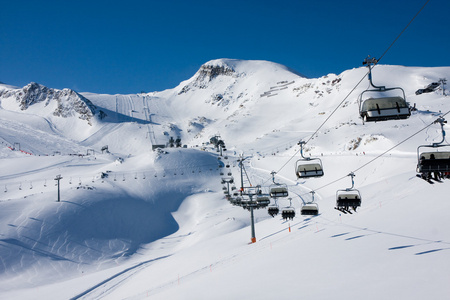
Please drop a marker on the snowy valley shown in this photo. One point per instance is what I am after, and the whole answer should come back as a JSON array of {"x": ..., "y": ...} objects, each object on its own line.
[{"x": 135, "y": 221}]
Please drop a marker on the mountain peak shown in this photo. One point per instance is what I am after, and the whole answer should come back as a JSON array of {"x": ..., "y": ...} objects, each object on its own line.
[{"x": 68, "y": 102}]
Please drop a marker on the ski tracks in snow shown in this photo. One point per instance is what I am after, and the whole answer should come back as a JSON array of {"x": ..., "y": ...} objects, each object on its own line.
[{"x": 108, "y": 285}]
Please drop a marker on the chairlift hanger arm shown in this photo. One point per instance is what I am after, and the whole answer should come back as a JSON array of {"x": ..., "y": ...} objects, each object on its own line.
[
  {"x": 353, "y": 182},
  {"x": 441, "y": 121},
  {"x": 301, "y": 143},
  {"x": 369, "y": 61}
]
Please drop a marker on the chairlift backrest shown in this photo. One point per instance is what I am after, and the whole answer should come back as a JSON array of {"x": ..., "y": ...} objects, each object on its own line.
[
  {"x": 348, "y": 194},
  {"x": 316, "y": 166},
  {"x": 306, "y": 169},
  {"x": 278, "y": 191},
  {"x": 310, "y": 209},
  {"x": 384, "y": 103}
]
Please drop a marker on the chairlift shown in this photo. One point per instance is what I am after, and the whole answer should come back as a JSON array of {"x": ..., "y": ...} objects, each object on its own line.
[
  {"x": 310, "y": 208},
  {"x": 288, "y": 212},
  {"x": 348, "y": 198},
  {"x": 434, "y": 162},
  {"x": 379, "y": 103},
  {"x": 278, "y": 190},
  {"x": 262, "y": 200},
  {"x": 308, "y": 167},
  {"x": 247, "y": 204},
  {"x": 273, "y": 210}
]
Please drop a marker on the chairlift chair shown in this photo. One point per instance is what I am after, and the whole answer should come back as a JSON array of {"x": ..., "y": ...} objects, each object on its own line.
[
  {"x": 288, "y": 213},
  {"x": 348, "y": 198},
  {"x": 273, "y": 210},
  {"x": 434, "y": 161},
  {"x": 249, "y": 203},
  {"x": 263, "y": 200},
  {"x": 277, "y": 190},
  {"x": 310, "y": 208},
  {"x": 379, "y": 103},
  {"x": 308, "y": 167}
]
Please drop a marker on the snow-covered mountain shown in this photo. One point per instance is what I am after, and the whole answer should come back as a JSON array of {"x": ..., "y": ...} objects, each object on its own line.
[
  {"x": 67, "y": 102},
  {"x": 133, "y": 222}
]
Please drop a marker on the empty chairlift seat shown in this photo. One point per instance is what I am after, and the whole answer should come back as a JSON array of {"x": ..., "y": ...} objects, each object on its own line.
[
  {"x": 311, "y": 168},
  {"x": 310, "y": 209},
  {"x": 262, "y": 200},
  {"x": 279, "y": 190},
  {"x": 385, "y": 108}
]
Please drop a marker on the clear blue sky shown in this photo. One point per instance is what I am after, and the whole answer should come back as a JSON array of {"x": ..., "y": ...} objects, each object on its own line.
[{"x": 133, "y": 46}]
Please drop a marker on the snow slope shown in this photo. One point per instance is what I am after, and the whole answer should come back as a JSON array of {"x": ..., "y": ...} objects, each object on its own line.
[{"x": 134, "y": 223}]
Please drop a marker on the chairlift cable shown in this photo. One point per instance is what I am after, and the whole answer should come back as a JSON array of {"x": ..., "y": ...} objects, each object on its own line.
[{"x": 404, "y": 29}]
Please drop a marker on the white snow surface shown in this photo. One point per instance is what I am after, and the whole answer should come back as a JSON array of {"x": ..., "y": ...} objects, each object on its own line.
[{"x": 134, "y": 223}]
